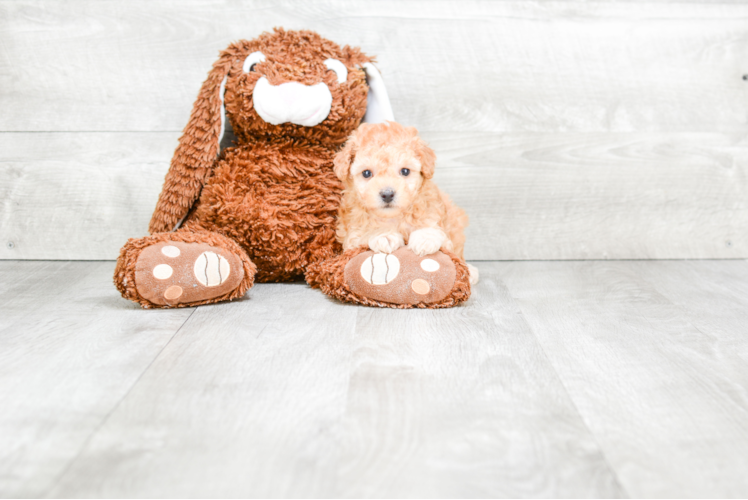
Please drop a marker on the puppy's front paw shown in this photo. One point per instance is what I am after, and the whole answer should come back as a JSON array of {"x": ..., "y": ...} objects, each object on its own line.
[
  {"x": 386, "y": 243},
  {"x": 426, "y": 241}
]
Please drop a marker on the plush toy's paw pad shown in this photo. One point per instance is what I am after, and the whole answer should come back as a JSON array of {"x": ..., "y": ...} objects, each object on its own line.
[
  {"x": 401, "y": 277},
  {"x": 175, "y": 272},
  {"x": 380, "y": 268}
]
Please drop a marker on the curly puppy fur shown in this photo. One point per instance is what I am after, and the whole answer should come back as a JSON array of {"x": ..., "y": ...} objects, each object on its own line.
[
  {"x": 329, "y": 276},
  {"x": 390, "y": 198}
]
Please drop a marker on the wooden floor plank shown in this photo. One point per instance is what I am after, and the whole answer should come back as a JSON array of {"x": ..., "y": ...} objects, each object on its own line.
[
  {"x": 713, "y": 295},
  {"x": 245, "y": 401},
  {"x": 463, "y": 403},
  {"x": 667, "y": 401},
  {"x": 556, "y": 379},
  {"x": 29, "y": 285},
  {"x": 70, "y": 349}
]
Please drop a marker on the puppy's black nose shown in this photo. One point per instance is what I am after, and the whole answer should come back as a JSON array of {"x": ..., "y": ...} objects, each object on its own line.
[{"x": 387, "y": 195}]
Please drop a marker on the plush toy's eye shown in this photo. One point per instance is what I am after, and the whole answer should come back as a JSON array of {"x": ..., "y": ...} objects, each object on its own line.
[
  {"x": 339, "y": 69},
  {"x": 366, "y": 174},
  {"x": 251, "y": 60},
  {"x": 405, "y": 172}
]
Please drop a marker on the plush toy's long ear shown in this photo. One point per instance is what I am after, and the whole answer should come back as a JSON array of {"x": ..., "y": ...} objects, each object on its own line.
[
  {"x": 378, "y": 107},
  {"x": 196, "y": 152}
]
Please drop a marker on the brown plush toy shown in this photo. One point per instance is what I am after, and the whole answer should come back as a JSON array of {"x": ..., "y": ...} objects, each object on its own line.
[{"x": 265, "y": 209}]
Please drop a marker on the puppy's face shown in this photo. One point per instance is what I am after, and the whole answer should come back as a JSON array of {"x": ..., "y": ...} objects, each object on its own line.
[
  {"x": 387, "y": 180},
  {"x": 385, "y": 165}
]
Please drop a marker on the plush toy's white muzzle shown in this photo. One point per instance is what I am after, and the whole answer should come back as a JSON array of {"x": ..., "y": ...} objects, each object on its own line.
[{"x": 292, "y": 102}]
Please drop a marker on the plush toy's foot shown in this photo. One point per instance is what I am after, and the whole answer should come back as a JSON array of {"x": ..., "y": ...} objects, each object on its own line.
[
  {"x": 183, "y": 269},
  {"x": 400, "y": 279}
]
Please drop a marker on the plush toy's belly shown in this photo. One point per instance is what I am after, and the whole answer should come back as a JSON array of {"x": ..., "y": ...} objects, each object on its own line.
[{"x": 279, "y": 202}]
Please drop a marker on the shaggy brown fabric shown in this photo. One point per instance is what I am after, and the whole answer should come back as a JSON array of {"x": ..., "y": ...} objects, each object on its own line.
[
  {"x": 330, "y": 277},
  {"x": 278, "y": 199},
  {"x": 274, "y": 194},
  {"x": 290, "y": 56},
  {"x": 124, "y": 272}
]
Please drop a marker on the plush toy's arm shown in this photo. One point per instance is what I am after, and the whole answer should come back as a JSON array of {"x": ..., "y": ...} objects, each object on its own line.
[{"x": 195, "y": 155}]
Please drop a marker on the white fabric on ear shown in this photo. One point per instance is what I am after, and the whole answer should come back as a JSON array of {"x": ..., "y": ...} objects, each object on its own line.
[{"x": 378, "y": 107}]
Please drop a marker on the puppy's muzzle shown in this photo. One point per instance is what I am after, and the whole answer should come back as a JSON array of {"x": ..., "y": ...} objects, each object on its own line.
[{"x": 387, "y": 195}]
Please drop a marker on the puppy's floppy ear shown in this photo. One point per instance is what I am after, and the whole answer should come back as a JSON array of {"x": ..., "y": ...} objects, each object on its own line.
[
  {"x": 378, "y": 107},
  {"x": 342, "y": 161},
  {"x": 197, "y": 150},
  {"x": 427, "y": 157}
]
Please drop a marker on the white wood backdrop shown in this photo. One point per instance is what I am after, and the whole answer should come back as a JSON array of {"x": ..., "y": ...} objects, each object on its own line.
[{"x": 568, "y": 130}]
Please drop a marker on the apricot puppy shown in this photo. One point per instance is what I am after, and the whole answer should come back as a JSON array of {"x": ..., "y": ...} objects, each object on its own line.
[{"x": 390, "y": 200}]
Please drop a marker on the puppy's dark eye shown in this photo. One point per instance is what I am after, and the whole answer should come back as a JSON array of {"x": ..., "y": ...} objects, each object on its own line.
[
  {"x": 405, "y": 172},
  {"x": 366, "y": 174},
  {"x": 252, "y": 68}
]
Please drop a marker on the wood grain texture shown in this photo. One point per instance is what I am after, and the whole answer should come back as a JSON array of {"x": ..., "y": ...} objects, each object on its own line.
[
  {"x": 80, "y": 195},
  {"x": 343, "y": 401},
  {"x": 462, "y": 403},
  {"x": 70, "y": 349},
  {"x": 599, "y": 196},
  {"x": 667, "y": 400},
  {"x": 557, "y": 379},
  {"x": 711, "y": 294},
  {"x": 468, "y": 65},
  {"x": 245, "y": 402},
  {"x": 529, "y": 195}
]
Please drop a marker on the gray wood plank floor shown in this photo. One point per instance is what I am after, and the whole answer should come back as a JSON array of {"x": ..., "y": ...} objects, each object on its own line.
[{"x": 557, "y": 379}]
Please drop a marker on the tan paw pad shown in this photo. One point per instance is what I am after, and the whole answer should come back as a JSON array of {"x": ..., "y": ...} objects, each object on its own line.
[
  {"x": 170, "y": 251},
  {"x": 173, "y": 292},
  {"x": 401, "y": 277},
  {"x": 162, "y": 271},
  {"x": 429, "y": 265},
  {"x": 175, "y": 272},
  {"x": 211, "y": 269},
  {"x": 421, "y": 287}
]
